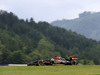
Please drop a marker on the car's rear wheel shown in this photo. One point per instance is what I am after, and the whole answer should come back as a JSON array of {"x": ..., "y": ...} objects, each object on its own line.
[{"x": 73, "y": 62}]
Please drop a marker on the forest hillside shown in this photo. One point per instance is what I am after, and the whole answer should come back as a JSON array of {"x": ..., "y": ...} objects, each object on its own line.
[
  {"x": 88, "y": 24},
  {"x": 22, "y": 41}
]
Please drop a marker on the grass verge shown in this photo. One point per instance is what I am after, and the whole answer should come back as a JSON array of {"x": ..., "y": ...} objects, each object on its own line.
[{"x": 50, "y": 70}]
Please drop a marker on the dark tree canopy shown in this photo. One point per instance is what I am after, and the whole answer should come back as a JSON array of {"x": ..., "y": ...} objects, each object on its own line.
[{"x": 24, "y": 41}]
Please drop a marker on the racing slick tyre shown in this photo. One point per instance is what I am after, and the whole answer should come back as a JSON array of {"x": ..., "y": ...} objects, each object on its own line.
[
  {"x": 40, "y": 63},
  {"x": 73, "y": 62}
]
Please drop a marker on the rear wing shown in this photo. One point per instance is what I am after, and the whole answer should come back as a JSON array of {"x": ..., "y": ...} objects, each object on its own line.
[{"x": 74, "y": 58}]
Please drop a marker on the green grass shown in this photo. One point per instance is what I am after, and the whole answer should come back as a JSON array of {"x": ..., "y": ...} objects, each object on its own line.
[{"x": 50, "y": 70}]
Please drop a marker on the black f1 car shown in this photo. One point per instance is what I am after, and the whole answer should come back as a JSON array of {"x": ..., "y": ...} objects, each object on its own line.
[{"x": 55, "y": 61}]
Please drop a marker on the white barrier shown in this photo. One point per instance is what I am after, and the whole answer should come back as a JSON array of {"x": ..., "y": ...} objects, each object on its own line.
[{"x": 17, "y": 64}]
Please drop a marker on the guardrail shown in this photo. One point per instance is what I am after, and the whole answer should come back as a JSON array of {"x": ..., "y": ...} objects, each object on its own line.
[
  {"x": 13, "y": 64},
  {"x": 3, "y": 64}
]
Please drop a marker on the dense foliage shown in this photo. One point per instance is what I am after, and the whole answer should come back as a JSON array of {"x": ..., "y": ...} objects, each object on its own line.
[
  {"x": 88, "y": 24},
  {"x": 24, "y": 41}
]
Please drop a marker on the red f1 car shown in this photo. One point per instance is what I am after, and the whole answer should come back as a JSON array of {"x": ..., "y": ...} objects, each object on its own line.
[{"x": 55, "y": 61}]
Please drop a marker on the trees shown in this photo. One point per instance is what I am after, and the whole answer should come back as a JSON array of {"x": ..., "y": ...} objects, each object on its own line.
[
  {"x": 18, "y": 57},
  {"x": 23, "y": 41}
]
